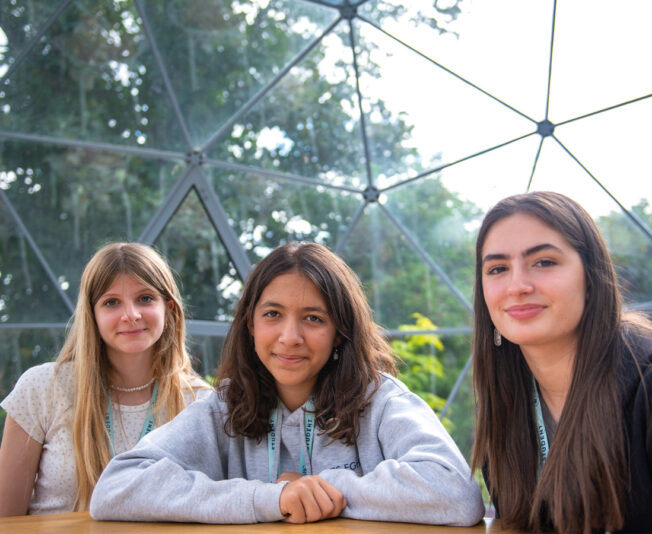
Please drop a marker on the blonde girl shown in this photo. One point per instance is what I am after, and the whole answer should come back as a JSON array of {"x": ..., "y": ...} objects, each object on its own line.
[{"x": 123, "y": 370}]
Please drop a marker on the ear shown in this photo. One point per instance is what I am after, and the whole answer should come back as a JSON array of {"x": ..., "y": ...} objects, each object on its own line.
[{"x": 171, "y": 304}]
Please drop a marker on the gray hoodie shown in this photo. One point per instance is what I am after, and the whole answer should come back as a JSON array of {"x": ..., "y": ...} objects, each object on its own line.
[{"x": 403, "y": 467}]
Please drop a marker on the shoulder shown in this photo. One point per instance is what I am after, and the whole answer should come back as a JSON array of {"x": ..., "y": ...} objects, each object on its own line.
[
  {"x": 392, "y": 395},
  {"x": 199, "y": 389},
  {"x": 45, "y": 377}
]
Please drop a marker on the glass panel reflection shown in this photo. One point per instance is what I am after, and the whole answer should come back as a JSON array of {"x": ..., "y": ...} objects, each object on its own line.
[
  {"x": 219, "y": 54},
  {"x": 397, "y": 281},
  {"x": 74, "y": 200},
  {"x": 268, "y": 213},
  {"x": 591, "y": 72},
  {"x": 27, "y": 293},
  {"x": 316, "y": 132},
  {"x": 502, "y": 47},
  {"x": 205, "y": 352},
  {"x": 22, "y": 349},
  {"x": 440, "y": 118},
  {"x": 209, "y": 282},
  {"x": 92, "y": 77},
  {"x": 20, "y": 24}
]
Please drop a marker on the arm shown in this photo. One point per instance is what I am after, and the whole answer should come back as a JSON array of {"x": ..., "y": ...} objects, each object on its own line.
[
  {"x": 179, "y": 472},
  {"x": 19, "y": 459},
  {"x": 420, "y": 475}
]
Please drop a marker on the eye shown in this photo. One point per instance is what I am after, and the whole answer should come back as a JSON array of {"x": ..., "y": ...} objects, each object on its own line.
[
  {"x": 271, "y": 314},
  {"x": 496, "y": 269},
  {"x": 545, "y": 262},
  {"x": 314, "y": 319},
  {"x": 110, "y": 303},
  {"x": 147, "y": 299}
]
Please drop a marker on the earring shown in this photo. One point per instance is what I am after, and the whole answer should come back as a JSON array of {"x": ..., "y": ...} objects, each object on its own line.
[
  {"x": 336, "y": 354},
  {"x": 498, "y": 339}
]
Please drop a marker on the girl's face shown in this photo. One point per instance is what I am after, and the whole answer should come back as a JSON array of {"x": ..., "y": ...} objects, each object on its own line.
[
  {"x": 293, "y": 335},
  {"x": 130, "y": 317},
  {"x": 533, "y": 284}
]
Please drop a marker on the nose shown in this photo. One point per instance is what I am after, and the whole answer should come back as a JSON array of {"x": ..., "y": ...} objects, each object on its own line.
[
  {"x": 291, "y": 333},
  {"x": 519, "y": 282},
  {"x": 131, "y": 313}
]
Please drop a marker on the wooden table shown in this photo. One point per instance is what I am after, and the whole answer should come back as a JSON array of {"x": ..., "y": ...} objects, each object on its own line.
[{"x": 81, "y": 523}]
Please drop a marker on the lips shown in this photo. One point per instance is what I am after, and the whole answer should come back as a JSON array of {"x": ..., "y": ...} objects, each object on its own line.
[
  {"x": 132, "y": 332},
  {"x": 288, "y": 359},
  {"x": 524, "y": 311}
]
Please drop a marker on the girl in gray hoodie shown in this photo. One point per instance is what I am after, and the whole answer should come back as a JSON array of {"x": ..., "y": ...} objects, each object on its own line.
[{"x": 307, "y": 421}]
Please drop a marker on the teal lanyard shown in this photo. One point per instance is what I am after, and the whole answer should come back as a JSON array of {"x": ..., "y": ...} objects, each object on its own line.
[
  {"x": 272, "y": 443},
  {"x": 542, "y": 435},
  {"x": 148, "y": 425}
]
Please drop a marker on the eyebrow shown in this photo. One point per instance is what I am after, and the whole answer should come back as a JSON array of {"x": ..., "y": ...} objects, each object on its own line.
[
  {"x": 272, "y": 304},
  {"x": 526, "y": 253}
]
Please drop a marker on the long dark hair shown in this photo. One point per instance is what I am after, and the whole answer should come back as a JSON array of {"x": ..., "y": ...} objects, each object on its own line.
[
  {"x": 583, "y": 482},
  {"x": 340, "y": 393}
]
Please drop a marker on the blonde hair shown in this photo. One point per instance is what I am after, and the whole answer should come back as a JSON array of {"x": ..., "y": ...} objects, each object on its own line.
[{"x": 86, "y": 350}]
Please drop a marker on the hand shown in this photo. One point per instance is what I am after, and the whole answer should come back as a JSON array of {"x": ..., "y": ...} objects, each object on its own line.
[{"x": 310, "y": 498}]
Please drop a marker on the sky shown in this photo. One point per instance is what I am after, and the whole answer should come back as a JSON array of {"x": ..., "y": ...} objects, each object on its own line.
[{"x": 601, "y": 57}]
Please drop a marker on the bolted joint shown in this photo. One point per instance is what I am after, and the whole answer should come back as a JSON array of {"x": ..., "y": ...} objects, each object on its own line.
[
  {"x": 196, "y": 157},
  {"x": 348, "y": 12},
  {"x": 545, "y": 128},
  {"x": 371, "y": 194}
]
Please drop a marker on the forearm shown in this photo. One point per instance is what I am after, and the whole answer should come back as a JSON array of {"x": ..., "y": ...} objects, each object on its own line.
[
  {"x": 19, "y": 459},
  {"x": 420, "y": 492},
  {"x": 134, "y": 489}
]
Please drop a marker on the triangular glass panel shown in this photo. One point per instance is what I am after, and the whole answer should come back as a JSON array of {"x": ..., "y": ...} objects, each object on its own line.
[
  {"x": 21, "y": 22},
  {"x": 417, "y": 109},
  {"x": 210, "y": 284},
  {"x": 308, "y": 125},
  {"x": 503, "y": 48},
  {"x": 27, "y": 293},
  {"x": 218, "y": 54},
  {"x": 630, "y": 248},
  {"x": 73, "y": 200},
  {"x": 396, "y": 278},
  {"x": 614, "y": 145},
  {"x": 599, "y": 61},
  {"x": 443, "y": 224},
  {"x": 480, "y": 181},
  {"x": 22, "y": 348},
  {"x": 268, "y": 213},
  {"x": 93, "y": 77}
]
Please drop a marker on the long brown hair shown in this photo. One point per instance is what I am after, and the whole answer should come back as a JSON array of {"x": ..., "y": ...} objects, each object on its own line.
[
  {"x": 86, "y": 350},
  {"x": 583, "y": 482},
  {"x": 340, "y": 393}
]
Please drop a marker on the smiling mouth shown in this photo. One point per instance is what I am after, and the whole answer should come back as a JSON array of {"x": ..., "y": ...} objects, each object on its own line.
[
  {"x": 132, "y": 332},
  {"x": 288, "y": 359},
  {"x": 525, "y": 311}
]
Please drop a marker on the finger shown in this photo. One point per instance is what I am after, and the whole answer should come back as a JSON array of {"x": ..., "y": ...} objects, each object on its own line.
[
  {"x": 291, "y": 505},
  {"x": 335, "y": 496}
]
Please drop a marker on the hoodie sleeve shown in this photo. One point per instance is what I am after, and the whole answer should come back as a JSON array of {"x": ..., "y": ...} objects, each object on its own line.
[
  {"x": 420, "y": 475},
  {"x": 178, "y": 472}
]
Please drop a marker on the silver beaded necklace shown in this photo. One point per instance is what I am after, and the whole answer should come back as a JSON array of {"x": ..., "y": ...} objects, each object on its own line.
[{"x": 129, "y": 390}]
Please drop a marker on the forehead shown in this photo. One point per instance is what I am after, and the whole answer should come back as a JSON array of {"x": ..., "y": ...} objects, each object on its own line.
[
  {"x": 292, "y": 289},
  {"x": 519, "y": 232},
  {"x": 125, "y": 282}
]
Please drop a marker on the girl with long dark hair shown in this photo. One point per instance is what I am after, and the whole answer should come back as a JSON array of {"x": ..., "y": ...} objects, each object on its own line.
[{"x": 563, "y": 379}]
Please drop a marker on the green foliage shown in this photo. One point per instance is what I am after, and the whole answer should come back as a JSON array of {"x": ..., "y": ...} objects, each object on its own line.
[{"x": 420, "y": 368}]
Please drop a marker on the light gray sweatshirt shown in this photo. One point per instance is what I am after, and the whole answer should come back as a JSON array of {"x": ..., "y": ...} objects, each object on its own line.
[{"x": 403, "y": 467}]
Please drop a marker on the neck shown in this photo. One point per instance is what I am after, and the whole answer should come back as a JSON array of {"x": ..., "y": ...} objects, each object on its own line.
[
  {"x": 553, "y": 373},
  {"x": 129, "y": 371}
]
